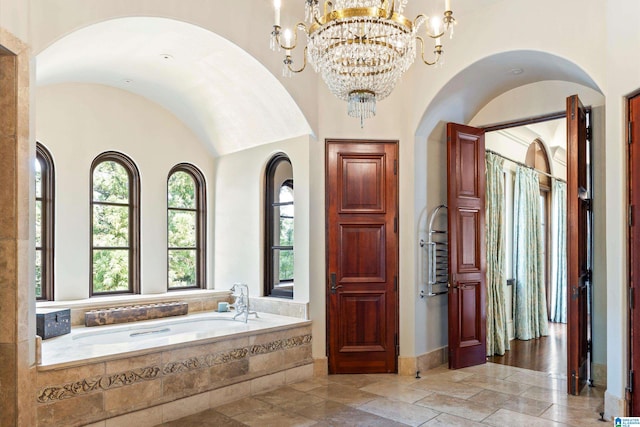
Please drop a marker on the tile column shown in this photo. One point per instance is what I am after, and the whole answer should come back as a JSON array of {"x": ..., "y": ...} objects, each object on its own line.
[{"x": 17, "y": 294}]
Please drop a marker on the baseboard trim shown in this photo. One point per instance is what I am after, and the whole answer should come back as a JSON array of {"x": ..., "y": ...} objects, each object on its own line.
[{"x": 423, "y": 362}]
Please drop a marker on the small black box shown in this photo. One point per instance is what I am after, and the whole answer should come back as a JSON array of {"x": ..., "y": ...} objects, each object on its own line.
[{"x": 51, "y": 322}]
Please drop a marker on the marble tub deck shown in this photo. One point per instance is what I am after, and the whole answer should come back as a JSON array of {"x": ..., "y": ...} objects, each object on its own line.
[
  {"x": 73, "y": 350},
  {"x": 486, "y": 395}
]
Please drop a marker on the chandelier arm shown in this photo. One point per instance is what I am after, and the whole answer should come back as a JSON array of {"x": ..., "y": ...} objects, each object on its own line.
[
  {"x": 327, "y": 7},
  {"x": 437, "y": 51},
  {"x": 384, "y": 5},
  {"x": 299, "y": 26},
  {"x": 424, "y": 17},
  {"x": 304, "y": 64}
]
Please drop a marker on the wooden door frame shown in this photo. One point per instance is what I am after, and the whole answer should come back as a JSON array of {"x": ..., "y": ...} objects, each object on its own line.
[
  {"x": 538, "y": 119},
  {"x": 326, "y": 228},
  {"x": 632, "y": 128}
]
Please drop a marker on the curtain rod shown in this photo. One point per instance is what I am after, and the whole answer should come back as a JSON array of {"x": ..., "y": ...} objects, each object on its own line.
[{"x": 525, "y": 165}]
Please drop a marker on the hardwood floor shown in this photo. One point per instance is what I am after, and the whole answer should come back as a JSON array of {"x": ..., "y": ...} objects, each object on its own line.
[{"x": 545, "y": 354}]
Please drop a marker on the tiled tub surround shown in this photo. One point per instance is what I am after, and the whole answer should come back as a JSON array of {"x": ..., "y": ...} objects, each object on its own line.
[
  {"x": 198, "y": 301},
  {"x": 86, "y": 383}
]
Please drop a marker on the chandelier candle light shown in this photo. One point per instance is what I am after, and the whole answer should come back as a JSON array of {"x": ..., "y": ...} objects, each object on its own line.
[{"x": 360, "y": 47}]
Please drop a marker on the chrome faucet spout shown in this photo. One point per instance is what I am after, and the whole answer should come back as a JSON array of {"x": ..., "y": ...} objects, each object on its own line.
[{"x": 241, "y": 303}]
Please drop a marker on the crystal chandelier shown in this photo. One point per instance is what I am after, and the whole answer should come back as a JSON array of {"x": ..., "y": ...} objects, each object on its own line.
[{"x": 360, "y": 47}]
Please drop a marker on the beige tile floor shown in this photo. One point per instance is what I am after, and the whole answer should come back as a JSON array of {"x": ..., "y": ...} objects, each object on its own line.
[{"x": 486, "y": 395}]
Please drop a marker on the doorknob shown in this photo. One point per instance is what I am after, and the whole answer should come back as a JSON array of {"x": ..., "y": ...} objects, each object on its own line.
[{"x": 333, "y": 288}]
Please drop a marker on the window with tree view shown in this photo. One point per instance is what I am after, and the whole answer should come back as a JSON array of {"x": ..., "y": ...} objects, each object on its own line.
[
  {"x": 44, "y": 175},
  {"x": 115, "y": 225},
  {"x": 186, "y": 228},
  {"x": 279, "y": 215}
]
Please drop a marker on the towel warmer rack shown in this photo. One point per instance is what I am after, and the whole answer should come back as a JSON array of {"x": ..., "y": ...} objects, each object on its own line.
[{"x": 437, "y": 254}]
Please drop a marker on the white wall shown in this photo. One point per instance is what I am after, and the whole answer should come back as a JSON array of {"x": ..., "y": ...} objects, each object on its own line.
[
  {"x": 622, "y": 79},
  {"x": 76, "y": 122},
  {"x": 239, "y": 216},
  {"x": 15, "y": 17}
]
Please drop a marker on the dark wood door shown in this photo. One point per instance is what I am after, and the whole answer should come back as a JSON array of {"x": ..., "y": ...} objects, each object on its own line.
[
  {"x": 577, "y": 245},
  {"x": 467, "y": 257},
  {"x": 634, "y": 251},
  {"x": 362, "y": 256}
]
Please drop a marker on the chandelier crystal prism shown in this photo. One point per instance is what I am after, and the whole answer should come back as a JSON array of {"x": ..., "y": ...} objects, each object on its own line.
[{"x": 361, "y": 48}]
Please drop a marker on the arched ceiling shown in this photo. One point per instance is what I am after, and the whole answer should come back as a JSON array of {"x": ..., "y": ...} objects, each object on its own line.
[
  {"x": 224, "y": 95},
  {"x": 475, "y": 86}
]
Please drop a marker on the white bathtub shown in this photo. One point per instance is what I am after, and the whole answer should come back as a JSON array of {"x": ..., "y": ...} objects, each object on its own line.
[{"x": 95, "y": 343}]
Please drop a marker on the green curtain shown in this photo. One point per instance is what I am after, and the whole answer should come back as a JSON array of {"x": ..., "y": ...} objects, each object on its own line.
[
  {"x": 530, "y": 305},
  {"x": 559, "y": 255},
  {"x": 497, "y": 334}
]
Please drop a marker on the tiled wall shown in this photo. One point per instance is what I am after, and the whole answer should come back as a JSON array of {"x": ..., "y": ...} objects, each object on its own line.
[
  {"x": 17, "y": 314},
  {"x": 94, "y": 392}
]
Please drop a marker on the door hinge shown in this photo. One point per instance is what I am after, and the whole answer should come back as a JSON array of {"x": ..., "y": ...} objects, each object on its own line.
[
  {"x": 629, "y": 132},
  {"x": 632, "y": 298},
  {"x": 589, "y": 133},
  {"x": 397, "y": 343},
  {"x": 395, "y": 167},
  {"x": 631, "y": 378},
  {"x": 573, "y": 382},
  {"x": 589, "y": 348},
  {"x": 395, "y": 224},
  {"x": 630, "y": 215},
  {"x": 395, "y": 283}
]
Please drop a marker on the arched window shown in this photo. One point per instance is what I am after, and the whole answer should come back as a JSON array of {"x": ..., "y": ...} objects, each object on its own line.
[
  {"x": 115, "y": 225},
  {"x": 279, "y": 222},
  {"x": 45, "y": 176},
  {"x": 538, "y": 159},
  {"x": 186, "y": 228}
]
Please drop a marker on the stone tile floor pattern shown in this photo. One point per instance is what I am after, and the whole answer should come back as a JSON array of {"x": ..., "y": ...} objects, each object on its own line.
[{"x": 486, "y": 395}]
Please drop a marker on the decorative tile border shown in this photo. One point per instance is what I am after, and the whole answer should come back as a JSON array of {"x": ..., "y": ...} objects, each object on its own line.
[
  {"x": 205, "y": 361},
  {"x": 106, "y": 382}
]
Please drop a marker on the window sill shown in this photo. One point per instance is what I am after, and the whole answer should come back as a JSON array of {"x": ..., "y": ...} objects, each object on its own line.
[{"x": 105, "y": 301}]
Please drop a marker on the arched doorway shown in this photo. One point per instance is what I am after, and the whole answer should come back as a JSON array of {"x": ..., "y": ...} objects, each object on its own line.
[{"x": 446, "y": 107}]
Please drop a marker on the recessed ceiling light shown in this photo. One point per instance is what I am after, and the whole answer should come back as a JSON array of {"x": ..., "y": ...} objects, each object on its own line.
[
  {"x": 166, "y": 56},
  {"x": 127, "y": 81},
  {"x": 516, "y": 71}
]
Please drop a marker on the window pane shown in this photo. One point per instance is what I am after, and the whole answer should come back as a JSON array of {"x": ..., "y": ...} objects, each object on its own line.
[
  {"x": 110, "y": 270},
  {"x": 38, "y": 178},
  {"x": 182, "y": 268},
  {"x": 110, "y": 226},
  {"x": 283, "y": 264},
  {"x": 286, "y": 231},
  {"x": 38, "y": 274},
  {"x": 286, "y": 210},
  {"x": 286, "y": 194},
  {"x": 182, "y": 229},
  {"x": 38, "y": 223},
  {"x": 182, "y": 191},
  {"x": 110, "y": 183}
]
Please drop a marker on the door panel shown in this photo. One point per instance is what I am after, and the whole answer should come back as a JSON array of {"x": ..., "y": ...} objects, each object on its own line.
[
  {"x": 362, "y": 256},
  {"x": 577, "y": 246},
  {"x": 362, "y": 188},
  {"x": 467, "y": 258}
]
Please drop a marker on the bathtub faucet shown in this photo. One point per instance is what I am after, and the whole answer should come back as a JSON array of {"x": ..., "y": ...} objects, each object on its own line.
[{"x": 241, "y": 302}]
